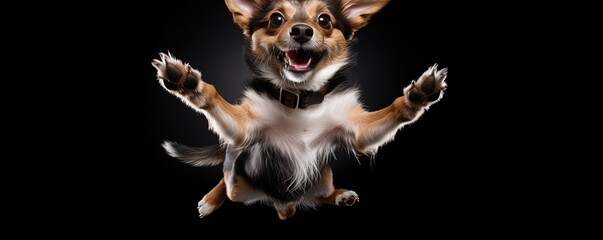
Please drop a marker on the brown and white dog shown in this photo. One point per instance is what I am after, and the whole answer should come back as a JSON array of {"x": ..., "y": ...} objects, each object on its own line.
[{"x": 298, "y": 108}]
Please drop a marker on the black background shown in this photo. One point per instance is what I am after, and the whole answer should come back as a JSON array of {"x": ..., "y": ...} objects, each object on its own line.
[
  {"x": 437, "y": 173},
  {"x": 85, "y": 128}
]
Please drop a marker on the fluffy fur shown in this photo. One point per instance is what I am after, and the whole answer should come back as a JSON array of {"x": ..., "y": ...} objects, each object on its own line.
[{"x": 298, "y": 109}]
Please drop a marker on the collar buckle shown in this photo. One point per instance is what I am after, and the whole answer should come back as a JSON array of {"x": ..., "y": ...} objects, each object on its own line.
[{"x": 288, "y": 98}]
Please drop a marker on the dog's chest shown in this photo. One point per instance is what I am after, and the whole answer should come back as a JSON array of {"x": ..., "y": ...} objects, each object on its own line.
[
  {"x": 308, "y": 128},
  {"x": 301, "y": 126}
]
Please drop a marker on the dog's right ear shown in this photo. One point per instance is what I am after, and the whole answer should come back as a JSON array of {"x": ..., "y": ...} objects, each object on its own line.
[{"x": 242, "y": 12}]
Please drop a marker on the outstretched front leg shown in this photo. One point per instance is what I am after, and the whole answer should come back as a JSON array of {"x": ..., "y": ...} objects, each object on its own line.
[
  {"x": 373, "y": 129},
  {"x": 180, "y": 79}
]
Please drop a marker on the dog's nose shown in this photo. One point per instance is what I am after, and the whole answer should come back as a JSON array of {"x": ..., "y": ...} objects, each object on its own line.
[{"x": 301, "y": 33}]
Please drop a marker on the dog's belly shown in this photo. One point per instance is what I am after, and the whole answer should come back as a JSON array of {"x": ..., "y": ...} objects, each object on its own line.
[
  {"x": 287, "y": 149},
  {"x": 286, "y": 161},
  {"x": 272, "y": 172}
]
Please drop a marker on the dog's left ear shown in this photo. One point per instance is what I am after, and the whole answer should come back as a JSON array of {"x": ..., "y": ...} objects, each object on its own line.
[
  {"x": 242, "y": 12},
  {"x": 358, "y": 12}
]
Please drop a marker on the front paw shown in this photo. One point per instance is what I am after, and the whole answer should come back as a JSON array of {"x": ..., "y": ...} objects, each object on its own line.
[
  {"x": 174, "y": 75},
  {"x": 428, "y": 89}
]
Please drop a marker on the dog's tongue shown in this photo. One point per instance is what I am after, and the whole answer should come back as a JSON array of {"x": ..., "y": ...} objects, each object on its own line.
[{"x": 299, "y": 60}]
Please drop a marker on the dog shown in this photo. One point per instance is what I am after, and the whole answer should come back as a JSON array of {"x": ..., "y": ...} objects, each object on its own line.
[{"x": 298, "y": 108}]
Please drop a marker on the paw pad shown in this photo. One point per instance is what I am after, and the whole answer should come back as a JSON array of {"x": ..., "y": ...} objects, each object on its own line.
[
  {"x": 173, "y": 73},
  {"x": 176, "y": 75},
  {"x": 190, "y": 82},
  {"x": 428, "y": 88}
]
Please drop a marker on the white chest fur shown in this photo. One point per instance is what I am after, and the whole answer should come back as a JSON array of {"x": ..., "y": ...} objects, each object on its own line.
[
  {"x": 304, "y": 136},
  {"x": 306, "y": 128}
]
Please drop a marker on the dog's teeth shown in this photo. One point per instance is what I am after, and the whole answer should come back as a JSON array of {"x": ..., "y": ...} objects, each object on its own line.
[
  {"x": 286, "y": 62},
  {"x": 308, "y": 64}
]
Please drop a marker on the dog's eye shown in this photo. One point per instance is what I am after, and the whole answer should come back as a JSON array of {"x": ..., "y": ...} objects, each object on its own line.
[
  {"x": 276, "y": 20},
  {"x": 324, "y": 20}
]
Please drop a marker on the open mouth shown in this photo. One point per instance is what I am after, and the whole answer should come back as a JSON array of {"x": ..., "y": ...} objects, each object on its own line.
[{"x": 299, "y": 60}]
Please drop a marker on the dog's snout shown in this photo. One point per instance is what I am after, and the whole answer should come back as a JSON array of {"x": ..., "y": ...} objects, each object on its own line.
[{"x": 301, "y": 33}]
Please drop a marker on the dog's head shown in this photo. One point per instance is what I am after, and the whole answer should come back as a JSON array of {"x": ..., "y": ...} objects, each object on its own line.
[{"x": 300, "y": 43}]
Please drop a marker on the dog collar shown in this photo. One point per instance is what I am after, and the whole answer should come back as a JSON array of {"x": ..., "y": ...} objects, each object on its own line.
[{"x": 298, "y": 99}]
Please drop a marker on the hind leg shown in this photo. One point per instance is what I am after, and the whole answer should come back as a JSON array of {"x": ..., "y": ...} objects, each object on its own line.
[
  {"x": 212, "y": 200},
  {"x": 239, "y": 190},
  {"x": 341, "y": 197},
  {"x": 327, "y": 194}
]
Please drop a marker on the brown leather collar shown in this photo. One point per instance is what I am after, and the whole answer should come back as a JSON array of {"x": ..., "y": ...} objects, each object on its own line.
[
  {"x": 293, "y": 98},
  {"x": 299, "y": 99}
]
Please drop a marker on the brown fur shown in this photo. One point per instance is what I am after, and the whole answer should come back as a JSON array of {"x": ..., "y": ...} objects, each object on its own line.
[
  {"x": 371, "y": 121},
  {"x": 239, "y": 188},
  {"x": 216, "y": 196},
  {"x": 240, "y": 113}
]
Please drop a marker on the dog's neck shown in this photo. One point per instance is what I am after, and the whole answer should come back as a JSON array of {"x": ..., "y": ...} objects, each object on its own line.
[{"x": 296, "y": 98}]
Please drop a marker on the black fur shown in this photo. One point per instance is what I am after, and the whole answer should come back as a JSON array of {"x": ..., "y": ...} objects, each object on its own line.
[
  {"x": 274, "y": 175},
  {"x": 342, "y": 22},
  {"x": 197, "y": 156},
  {"x": 250, "y": 59},
  {"x": 256, "y": 22}
]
